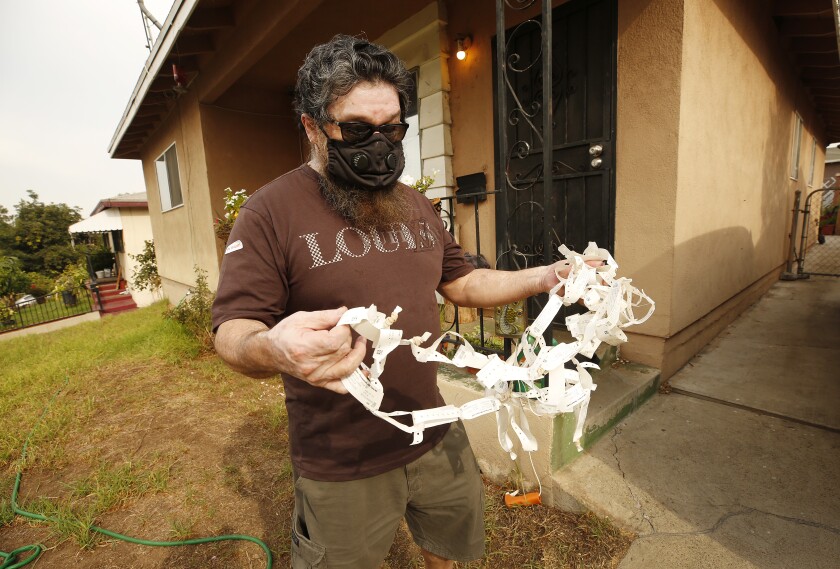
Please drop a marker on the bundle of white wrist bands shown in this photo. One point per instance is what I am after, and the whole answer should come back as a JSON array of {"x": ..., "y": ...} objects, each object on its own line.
[{"x": 508, "y": 384}]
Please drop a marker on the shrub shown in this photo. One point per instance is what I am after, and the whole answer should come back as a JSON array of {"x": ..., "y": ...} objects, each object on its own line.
[
  {"x": 12, "y": 278},
  {"x": 101, "y": 258},
  {"x": 73, "y": 277},
  {"x": 193, "y": 312},
  {"x": 828, "y": 215},
  {"x": 39, "y": 285},
  {"x": 146, "y": 275},
  {"x": 233, "y": 202},
  {"x": 7, "y": 313}
]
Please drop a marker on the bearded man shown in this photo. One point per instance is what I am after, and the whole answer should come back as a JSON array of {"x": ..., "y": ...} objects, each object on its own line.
[{"x": 338, "y": 232}]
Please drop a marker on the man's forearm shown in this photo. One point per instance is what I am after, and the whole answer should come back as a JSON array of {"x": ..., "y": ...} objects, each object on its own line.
[
  {"x": 243, "y": 346},
  {"x": 487, "y": 287}
]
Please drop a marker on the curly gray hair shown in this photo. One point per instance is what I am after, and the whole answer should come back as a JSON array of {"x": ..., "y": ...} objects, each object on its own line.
[{"x": 332, "y": 69}]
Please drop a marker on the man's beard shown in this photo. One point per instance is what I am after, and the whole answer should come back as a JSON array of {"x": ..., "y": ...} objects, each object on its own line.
[{"x": 364, "y": 209}]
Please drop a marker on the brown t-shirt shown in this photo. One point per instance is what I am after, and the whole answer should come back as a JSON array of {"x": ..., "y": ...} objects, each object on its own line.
[{"x": 297, "y": 254}]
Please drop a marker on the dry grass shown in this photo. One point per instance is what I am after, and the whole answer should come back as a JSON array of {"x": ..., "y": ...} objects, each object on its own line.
[{"x": 152, "y": 439}]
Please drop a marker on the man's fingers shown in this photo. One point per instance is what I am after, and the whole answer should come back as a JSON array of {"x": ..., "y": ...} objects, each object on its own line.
[
  {"x": 331, "y": 369},
  {"x": 321, "y": 319}
]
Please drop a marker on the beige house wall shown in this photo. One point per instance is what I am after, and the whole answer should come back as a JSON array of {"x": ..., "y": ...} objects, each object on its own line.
[
  {"x": 183, "y": 235},
  {"x": 732, "y": 212},
  {"x": 137, "y": 229},
  {"x": 648, "y": 113},
  {"x": 737, "y": 98},
  {"x": 245, "y": 151}
]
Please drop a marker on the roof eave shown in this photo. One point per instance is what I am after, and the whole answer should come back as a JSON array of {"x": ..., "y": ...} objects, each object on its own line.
[{"x": 172, "y": 28}]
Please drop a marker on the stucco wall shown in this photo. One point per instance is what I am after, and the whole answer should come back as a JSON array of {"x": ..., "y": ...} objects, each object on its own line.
[
  {"x": 183, "y": 235},
  {"x": 471, "y": 104},
  {"x": 734, "y": 191},
  {"x": 648, "y": 113},
  {"x": 246, "y": 151},
  {"x": 137, "y": 229}
]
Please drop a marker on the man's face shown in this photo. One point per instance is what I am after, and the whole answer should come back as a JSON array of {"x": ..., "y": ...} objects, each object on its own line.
[{"x": 375, "y": 104}]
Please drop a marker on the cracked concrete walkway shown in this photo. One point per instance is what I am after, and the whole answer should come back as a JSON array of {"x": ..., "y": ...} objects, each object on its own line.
[{"x": 744, "y": 480}]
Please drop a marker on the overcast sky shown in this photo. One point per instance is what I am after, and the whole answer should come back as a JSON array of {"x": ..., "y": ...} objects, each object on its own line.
[{"x": 67, "y": 70}]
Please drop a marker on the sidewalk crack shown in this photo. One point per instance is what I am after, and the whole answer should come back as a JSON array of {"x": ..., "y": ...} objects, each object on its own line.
[
  {"x": 742, "y": 512},
  {"x": 639, "y": 506}
]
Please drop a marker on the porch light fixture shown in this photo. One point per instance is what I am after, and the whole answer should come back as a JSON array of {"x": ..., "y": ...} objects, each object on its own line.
[{"x": 463, "y": 43}]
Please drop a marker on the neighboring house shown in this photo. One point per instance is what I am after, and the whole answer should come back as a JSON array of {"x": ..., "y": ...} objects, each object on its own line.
[
  {"x": 681, "y": 130},
  {"x": 123, "y": 221}
]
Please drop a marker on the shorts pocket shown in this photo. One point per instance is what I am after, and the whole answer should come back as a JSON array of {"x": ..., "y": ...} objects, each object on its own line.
[{"x": 306, "y": 554}]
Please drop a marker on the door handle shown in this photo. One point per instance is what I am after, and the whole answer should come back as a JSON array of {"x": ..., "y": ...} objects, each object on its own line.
[{"x": 595, "y": 152}]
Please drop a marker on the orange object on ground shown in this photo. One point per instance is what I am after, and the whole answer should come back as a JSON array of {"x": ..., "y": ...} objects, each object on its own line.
[{"x": 529, "y": 499}]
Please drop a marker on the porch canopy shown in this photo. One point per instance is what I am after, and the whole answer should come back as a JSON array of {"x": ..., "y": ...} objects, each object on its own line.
[{"x": 103, "y": 222}]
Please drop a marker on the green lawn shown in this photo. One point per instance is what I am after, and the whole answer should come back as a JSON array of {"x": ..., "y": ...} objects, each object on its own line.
[{"x": 152, "y": 438}]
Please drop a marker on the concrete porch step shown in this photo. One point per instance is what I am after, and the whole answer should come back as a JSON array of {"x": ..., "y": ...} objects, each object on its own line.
[{"x": 622, "y": 388}]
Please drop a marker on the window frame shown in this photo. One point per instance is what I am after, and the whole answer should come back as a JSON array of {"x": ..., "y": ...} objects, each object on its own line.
[
  {"x": 813, "y": 161},
  {"x": 166, "y": 204},
  {"x": 796, "y": 147}
]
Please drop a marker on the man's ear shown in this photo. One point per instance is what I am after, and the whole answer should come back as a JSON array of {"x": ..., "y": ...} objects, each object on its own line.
[{"x": 310, "y": 127}]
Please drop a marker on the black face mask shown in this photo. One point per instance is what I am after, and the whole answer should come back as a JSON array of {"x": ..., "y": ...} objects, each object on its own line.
[{"x": 373, "y": 164}]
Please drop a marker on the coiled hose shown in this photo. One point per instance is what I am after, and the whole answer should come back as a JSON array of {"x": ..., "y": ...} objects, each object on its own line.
[{"x": 9, "y": 560}]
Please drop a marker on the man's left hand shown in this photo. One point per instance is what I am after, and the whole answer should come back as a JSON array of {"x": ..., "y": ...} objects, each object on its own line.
[{"x": 561, "y": 269}]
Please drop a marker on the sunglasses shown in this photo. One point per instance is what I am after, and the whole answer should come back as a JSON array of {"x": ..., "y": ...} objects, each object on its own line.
[{"x": 356, "y": 132}]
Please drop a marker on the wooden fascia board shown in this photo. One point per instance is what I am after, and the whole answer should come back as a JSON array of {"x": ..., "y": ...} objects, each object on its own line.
[
  {"x": 172, "y": 27},
  {"x": 266, "y": 25}
]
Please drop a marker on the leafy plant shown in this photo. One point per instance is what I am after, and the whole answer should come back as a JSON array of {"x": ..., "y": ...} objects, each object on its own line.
[
  {"x": 37, "y": 235},
  {"x": 828, "y": 215},
  {"x": 12, "y": 278},
  {"x": 422, "y": 184},
  {"x": 7, "y": 313},
  {"x": 233, "y": 202},
  {"x": 39, "y": 284},
  {"x": 146, "y": 275},
  {"x": 101, "y": 258},
  {"x": 490, "y": 341},
  {"x": 73, "y": 277},
  {"x": 193, "y": 312}
]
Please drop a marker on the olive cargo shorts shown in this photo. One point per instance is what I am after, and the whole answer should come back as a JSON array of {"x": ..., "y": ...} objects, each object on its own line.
[{"x": 352, "y": 524}]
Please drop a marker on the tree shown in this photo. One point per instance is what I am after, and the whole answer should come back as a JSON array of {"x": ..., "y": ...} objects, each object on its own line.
[
  {"x": 40, "y": 235},
  {"x": 12, "y": 279},
  {"x": 7, "y": 232}
]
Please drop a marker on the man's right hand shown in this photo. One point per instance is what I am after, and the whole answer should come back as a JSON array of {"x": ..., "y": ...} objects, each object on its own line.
[
  {"x": 309, "y": 346},
  {"x": 306, "y": 345}
]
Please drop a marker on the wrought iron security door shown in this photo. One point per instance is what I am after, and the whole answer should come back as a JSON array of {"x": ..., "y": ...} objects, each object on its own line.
[{"x": 574, "y": 45}]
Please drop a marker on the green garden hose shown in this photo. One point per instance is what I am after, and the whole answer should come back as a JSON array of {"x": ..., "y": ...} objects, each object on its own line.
[{"x": 8, "y": 560}]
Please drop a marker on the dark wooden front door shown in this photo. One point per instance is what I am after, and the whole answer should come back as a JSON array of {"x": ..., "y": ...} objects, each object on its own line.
[{"x": 577, "y": 205}]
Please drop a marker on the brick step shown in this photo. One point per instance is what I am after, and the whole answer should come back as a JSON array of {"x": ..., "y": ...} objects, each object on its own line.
[
  {"x": 118, "y": 309},
  {"x": 113, "y": 300},
  {"x": 117, "y": 301},
  {"x": 113, "y": 294}
]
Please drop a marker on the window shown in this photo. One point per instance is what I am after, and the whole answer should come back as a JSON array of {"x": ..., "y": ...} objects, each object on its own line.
[
  {"x": 796, "y": 148},
  {"x": 813, "y": 161},
  {"x": 169, "y": 182}
]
